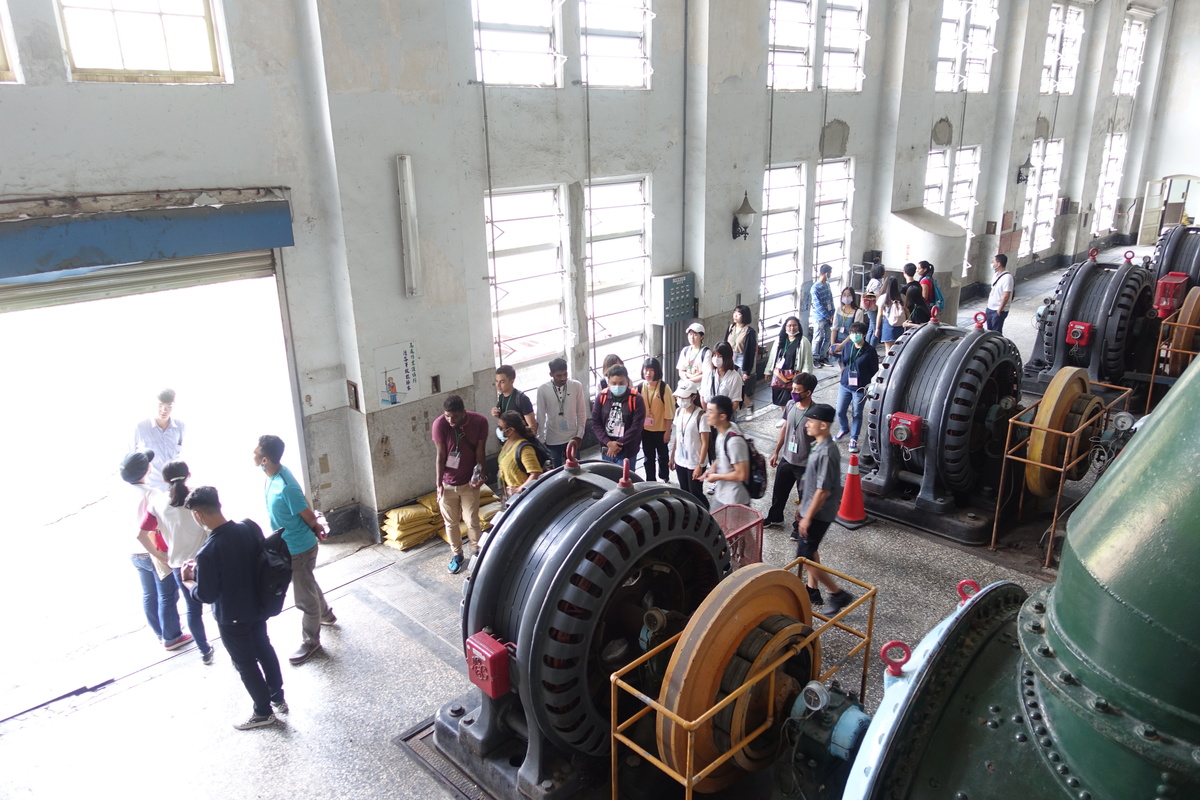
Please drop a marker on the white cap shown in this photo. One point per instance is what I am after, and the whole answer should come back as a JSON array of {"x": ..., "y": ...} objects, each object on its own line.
[
  {"x": 698, "y": 327},
  {"x": 685, "y": 388}
]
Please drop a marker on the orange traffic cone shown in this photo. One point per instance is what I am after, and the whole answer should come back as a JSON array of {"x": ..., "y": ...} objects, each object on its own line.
[{"x": 851, "y": 514}]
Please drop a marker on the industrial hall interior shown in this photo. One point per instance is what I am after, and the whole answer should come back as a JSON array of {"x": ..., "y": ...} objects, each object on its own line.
[{"x": 623, "y": 398}]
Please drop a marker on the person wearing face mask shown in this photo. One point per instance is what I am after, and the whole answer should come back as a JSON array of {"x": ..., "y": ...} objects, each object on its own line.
[
  {"x": 791, "y": 353},
  {"x": 859, "y": 365},
  {"x": 689, "y": 440},
  {"x": 723, "y": 378},
  {"x": 742, "y": 337},
  {"x": 518, "y": 460},
  {"x": 847, "y": 314},
  {"x": 791, "y": 449},
  {"x": 510, "y": 398},
  {"x": 660, "y": 413},
  {"x": 693, "y": 359},
  {"x": 618, "y": 419}
]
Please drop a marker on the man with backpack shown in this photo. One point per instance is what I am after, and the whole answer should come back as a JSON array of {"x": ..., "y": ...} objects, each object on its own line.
[
  {"x": 288, "y": 509},
  {"x": 618, "y": 418},
  {"x": 226, "y": 573},
  {"x": 732, "y": 466}
]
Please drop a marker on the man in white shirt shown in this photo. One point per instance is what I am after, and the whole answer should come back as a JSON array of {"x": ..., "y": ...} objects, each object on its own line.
[
  {"x": 732, "y": 465},
  {"x": 561, "y": 412},
  {"x": 1001, "y": 294},
  {"x": 162, "y": 434}
]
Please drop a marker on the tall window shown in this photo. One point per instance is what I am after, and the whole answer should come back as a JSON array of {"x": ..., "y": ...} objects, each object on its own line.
[
  {"x": 528, "y": 280},
  {"x": 1063, "y": 40},
  {"x": 1129, "y": 57},
  {"x": 7, "y": 71},
  {"x": 845, "y": 44},
  {"x": 965, "y": 45},
  {"x": 142, "y": 41},
  {"x": 831, "y": 215},
  {"x": 1110, "y": 184},
  {"x": 950, "y": 180},
  {"x": 615, "y": 45},
  {"x": 617, "y": 223},
  {"x": 783, "y": 242},
  {"x": 1041, "y": 195},
  {"x": 518, "y": 42},
  {"x": 791, "y": 46}
]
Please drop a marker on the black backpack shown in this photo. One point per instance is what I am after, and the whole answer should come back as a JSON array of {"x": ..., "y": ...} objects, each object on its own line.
[
  {"x": 273, "y": 572},
  {"x": 543, "y": 453},
  {"x": 756, "y": 482}
]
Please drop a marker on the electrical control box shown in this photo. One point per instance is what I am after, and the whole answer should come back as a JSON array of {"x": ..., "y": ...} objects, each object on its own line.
[
  {"x": 1079, "y": 333},
  {"x": 1169, "y": 293},
  {"x": 905, "y": 430},
  {"x": 672, "y": 297},
  {"x": 487, "y": 664}
]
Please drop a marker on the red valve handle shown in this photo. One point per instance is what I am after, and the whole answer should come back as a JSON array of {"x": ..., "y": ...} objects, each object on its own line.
[
  {"x": 980, "y": 318},
  {"x": 1095, "y": 251},
  {"x": 572, "y": 461},
  {"x": 625, "y": 482},
  {"x": 962, "y": 590},
  {"x": 894, "y": 664},
  {"x": 1129, "y": 254}
]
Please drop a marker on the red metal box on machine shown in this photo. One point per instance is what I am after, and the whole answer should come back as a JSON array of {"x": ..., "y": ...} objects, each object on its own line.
[
  {"x": 1169, "y": 292},
  {"x": 905, "y": 430},
  {"x": 487, "y": 664},
  {"x": 1079, "y": 333}
]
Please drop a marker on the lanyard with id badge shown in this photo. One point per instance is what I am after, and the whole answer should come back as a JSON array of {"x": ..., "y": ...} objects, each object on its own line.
[
  {"x": 455, "y": 456},
  {"x": 562, "y": 401},
  {"x": 852, "y": 369},
  {"x": 793, "y": 440}
]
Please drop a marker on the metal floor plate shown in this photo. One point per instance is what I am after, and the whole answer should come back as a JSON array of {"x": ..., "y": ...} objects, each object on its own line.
[{"x": 418, "y": 743}]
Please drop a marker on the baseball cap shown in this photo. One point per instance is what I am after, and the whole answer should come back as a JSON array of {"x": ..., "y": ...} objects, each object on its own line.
[
  {"x": 134, "y": 465},
  {"x": 822, "y": 412},
  {"x": 698, "y": 327},
  {"x": 685, "y": 388}
]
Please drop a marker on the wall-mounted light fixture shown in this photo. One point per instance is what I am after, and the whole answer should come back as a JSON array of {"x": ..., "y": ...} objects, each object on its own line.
[
  {"x": 1024, "y": 169},
  {"x": 743, "y": 218}
]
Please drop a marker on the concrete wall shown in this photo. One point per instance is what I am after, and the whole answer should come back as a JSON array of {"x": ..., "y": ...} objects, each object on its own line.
[{"x": 327, "y": 94}]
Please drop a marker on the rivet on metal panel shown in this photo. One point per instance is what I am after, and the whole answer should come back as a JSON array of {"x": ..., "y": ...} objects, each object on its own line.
[
  {"x": 1148, "y": 732},
  {"x": 1100, "y": 704},
  {"x": 1020, "y": 737}
]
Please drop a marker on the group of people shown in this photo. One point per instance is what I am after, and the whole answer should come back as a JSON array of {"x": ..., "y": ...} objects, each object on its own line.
[{"x": 188, "y": 546}]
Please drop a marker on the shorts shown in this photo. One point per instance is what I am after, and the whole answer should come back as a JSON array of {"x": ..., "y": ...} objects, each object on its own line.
[{"x": 808, "y": 546}]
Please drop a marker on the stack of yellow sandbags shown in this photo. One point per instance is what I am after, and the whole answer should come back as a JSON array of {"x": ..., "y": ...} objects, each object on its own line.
[{"x": 409, "y": 526}]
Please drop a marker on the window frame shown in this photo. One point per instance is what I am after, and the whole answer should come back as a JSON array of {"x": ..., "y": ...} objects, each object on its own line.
[
  {"x": 773, "y": 210},
  {"x": 841, "y": 265},
  {"x": 1059, "y": 57},
  {"x": 968, "y": 71},
  {"x": 807, "y": 52},
  {"x": 527, "y": 365},
  {"x": 1041, "y": 196},
  {"x": 632, "y": 358},
  {"x": 555, "y": 53},
  {"x": 217, "y": 46},
  {"x": 1108, "y": 192},
  {"x": 1130, "y": 56},
  {"x": 642, "y": 37},
  {"x": 859, "y": 51}
]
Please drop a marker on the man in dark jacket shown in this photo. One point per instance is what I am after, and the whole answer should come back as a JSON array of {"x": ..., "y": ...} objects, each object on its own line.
[
  {"x": 225, "y": 573},
  {"x": 618, "y": 418}
]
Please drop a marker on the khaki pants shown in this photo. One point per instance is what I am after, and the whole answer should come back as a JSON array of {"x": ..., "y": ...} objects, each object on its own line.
[
  {"x": 460, "y": 503},
  {"x": 308, "y": 596}
]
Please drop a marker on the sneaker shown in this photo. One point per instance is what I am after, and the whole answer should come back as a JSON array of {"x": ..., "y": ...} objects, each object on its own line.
[
  {"x": 837, "y": 601},
  {"x": 329, "y": 618},
  {"x": 281, "y": 707},
  {"x": 842, "y": 434},
  {"x": 456, "y": 564},
  {"x": 255, "y": 722},
  {"x": 175, "y": 644},
  {"x": 304, "y": 653},
  {"x": 814, "y": 597},
  {"x": 854, "y": 445},
  {"x": 207, "y": 658},
  {"x": 773, "y": 523}
]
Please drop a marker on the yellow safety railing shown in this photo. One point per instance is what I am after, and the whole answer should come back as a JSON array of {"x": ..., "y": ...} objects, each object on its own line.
[{"x": 691, "y": 777}]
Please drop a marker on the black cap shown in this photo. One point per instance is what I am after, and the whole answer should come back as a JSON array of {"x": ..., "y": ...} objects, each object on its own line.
[
  {"x": 135, "y": 465},
  {"x": 822, "y": 412}
]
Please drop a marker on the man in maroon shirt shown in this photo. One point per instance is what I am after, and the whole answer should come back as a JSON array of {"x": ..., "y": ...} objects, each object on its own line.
[{"x": 460, "y": 437}]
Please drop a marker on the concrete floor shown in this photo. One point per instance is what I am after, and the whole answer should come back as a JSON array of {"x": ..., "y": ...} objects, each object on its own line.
[{"x": 163, "y": 725}]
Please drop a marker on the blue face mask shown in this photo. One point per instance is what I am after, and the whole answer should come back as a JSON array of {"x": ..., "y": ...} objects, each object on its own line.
[{"x": 618, "y": 391}]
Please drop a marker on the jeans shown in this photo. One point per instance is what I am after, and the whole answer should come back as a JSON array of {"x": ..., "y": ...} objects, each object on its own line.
[
  {"x": 872, "y": 318},
  {"x": 995, "y": 320},
  {"x": 821, "y": 339},
  {"x": 252, "y": 655},
  {"x": 621, "y": 459},
  {"x": 558, "y": 454},
  {"x": 847, "y": 395},
  {"x": 655, "y": 449},
  {"x": 308, "y": 596},
  {"x": 195, "y": 613},
  {"x": 690, "y": 484},
  {"x": 787, "y": 477},
  {"x": 158, "y": 598}
]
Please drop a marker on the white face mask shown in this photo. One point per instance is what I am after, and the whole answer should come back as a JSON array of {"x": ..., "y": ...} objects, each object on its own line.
[
  {"x": 685, "y": 403},
  {"x": 718, "y": 362}
]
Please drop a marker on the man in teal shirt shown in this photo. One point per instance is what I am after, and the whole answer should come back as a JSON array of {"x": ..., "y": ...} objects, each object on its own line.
[{"x": 288, "y": 509}]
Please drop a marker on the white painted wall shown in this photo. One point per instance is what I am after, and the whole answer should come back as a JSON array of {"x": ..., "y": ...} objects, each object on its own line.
[{"x": 328, "y": 93}]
